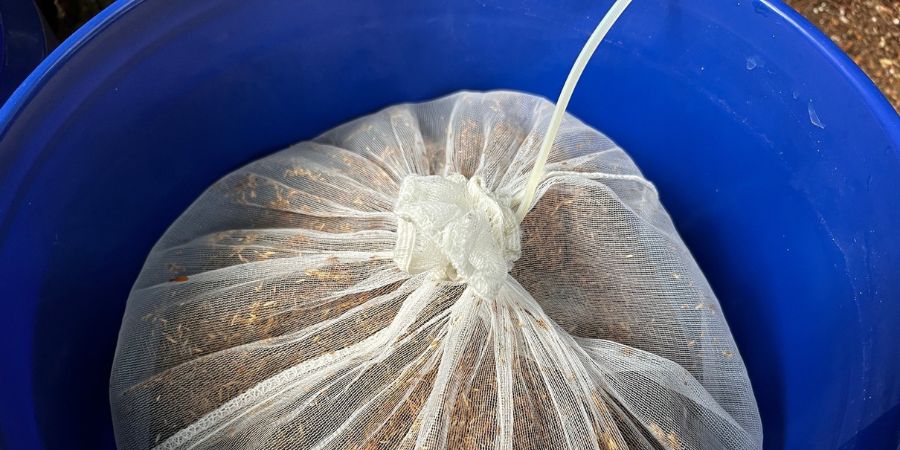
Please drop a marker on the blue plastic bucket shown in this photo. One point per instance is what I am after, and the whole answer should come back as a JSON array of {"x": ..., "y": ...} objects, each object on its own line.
[
  {"x": 778, "y": 160},
  {"x": 23, "y": 43}
]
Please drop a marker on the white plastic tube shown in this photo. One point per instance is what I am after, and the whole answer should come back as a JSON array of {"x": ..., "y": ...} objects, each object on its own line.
[{"x": 537, "y": 172}]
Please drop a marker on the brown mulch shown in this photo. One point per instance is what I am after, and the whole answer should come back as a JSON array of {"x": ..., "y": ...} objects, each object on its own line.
[{"x": 868, "y": 31}]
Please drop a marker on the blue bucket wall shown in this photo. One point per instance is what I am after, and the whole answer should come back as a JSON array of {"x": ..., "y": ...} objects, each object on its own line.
[
  {"x": 777, "y": 158},
  {"x": 23, "y": 43}
]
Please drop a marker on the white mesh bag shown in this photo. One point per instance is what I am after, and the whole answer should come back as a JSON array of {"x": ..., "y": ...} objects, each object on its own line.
[{"x": 375, "y": 288}]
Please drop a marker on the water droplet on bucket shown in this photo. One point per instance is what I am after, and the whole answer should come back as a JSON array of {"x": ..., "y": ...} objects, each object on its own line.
[
  {"x": 752, "y": 63},
  {"x": 813, "y": 116}
]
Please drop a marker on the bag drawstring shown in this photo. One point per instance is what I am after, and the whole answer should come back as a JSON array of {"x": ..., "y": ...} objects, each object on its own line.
[{"x": 537, "y": 171}]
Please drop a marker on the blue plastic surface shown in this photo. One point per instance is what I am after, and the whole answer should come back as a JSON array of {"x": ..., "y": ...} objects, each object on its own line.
[
  {"x": 23, "y": 43},
  {"x": 778, "y": 160}
]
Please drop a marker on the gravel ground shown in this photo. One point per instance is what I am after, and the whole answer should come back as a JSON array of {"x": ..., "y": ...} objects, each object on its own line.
[{"x": 868, "y": 30}]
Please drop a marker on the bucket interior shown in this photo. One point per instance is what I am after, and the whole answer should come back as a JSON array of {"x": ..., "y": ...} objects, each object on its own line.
[{"x": 776, "y": 158}]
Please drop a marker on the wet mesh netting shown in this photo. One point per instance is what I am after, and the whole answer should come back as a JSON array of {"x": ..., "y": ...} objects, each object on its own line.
[{"x": 377, "y": 288}]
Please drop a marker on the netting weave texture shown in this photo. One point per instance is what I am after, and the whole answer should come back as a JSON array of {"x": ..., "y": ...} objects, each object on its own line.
[{"x": 373, "y": 288}]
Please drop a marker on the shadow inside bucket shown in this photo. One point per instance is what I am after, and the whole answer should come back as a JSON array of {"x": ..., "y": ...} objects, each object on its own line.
[{"x": 77, "y": 326}]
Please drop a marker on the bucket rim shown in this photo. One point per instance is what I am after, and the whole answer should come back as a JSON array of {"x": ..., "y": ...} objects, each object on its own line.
[
  {"x": 35, "y": 80},
  {"x": 26, "y": 91},
  {"x": 14, "y": 164}
]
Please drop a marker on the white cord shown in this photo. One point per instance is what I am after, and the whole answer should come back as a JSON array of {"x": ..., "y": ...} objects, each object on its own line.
[{"x": 537, "y": 172}]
